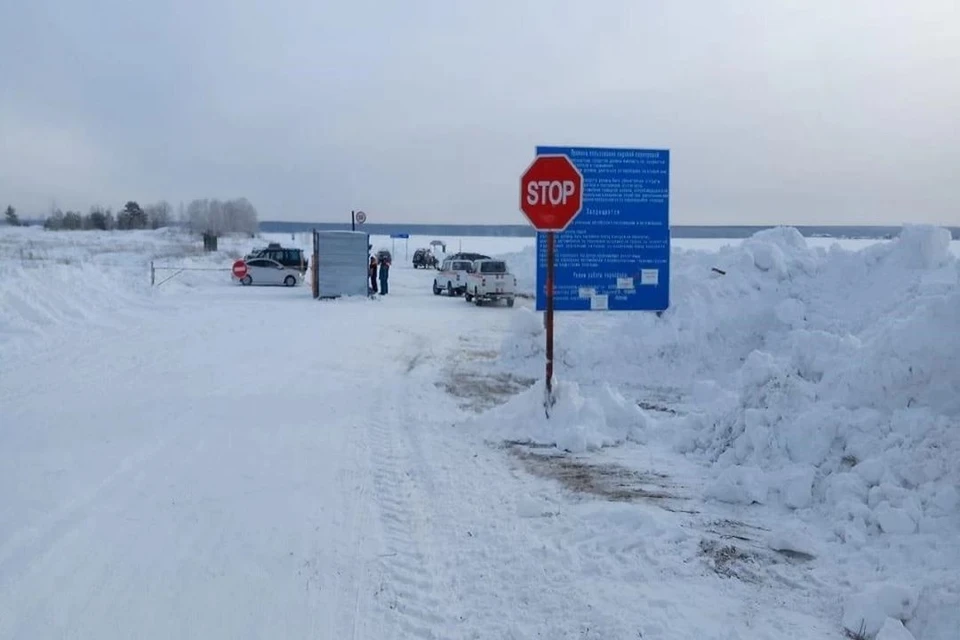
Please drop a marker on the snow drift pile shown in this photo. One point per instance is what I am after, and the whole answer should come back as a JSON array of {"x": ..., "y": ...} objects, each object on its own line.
[
  {"x": 34, "y": 298},
  {"x": 577, "y": 422},
  {"x": 73, "y": 278},
  {"x": 823, "y": 381},
  {"x": 805, "y": 375}
]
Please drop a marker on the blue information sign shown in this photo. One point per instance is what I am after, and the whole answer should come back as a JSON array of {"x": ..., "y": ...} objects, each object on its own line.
[{"x": 615, "y": 255}]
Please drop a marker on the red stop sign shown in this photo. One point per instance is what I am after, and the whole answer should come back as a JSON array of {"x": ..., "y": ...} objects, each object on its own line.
[
  {"x": 551, "y": 192},
  {"x": 239, "y": 269}
]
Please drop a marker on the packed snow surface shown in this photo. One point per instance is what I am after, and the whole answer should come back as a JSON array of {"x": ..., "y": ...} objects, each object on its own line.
[{"x": 773, "y": 457}]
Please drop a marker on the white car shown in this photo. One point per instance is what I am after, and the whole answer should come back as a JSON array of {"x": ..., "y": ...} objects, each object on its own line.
[
  {"x": 264, "y": 271},
  {"x": 490, "y": 281},
  {"x": 451, "y": 278}
]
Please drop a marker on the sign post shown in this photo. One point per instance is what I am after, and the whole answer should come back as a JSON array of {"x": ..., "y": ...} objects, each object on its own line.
[
  {"x": 616, "y": 255},
  {"x": 551, "y": 196},
  {"x": 315, "y": 268},
  {"x": 604, "y": 232},
  {"x": 548, "y": 320},
  {"x": 357, "y": 217}
]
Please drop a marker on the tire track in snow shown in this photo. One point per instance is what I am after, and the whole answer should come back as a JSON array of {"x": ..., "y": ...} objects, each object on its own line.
[
  {"x": 349, "y": 585},
  {"x": 408, "y": 590}
]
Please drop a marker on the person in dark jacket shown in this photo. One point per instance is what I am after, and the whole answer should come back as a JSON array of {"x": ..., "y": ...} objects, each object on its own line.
[
  {"x": 372, "y": 270},
  {"x": 384, "y": 275}
]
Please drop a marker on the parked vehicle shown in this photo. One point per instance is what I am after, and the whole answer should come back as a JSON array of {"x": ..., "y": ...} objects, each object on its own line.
[
  {"x": 267, "y": 272},
  {"x": 490, "y": 281},
  {"x": 452, "y": 277},
  {"x": 424, "y": 258},
  {"x": 468, "y": 256},
  {"x": 286, "y": 256}
]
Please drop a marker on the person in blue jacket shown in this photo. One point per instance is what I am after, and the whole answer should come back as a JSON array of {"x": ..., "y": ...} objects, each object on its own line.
[{"x": 384, "y": 275}]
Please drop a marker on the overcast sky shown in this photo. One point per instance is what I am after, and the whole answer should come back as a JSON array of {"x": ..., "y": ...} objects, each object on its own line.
[{"x": 786, "y": 111}]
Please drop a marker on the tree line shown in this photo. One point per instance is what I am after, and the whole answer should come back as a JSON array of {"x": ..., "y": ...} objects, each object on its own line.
[{"x": 210, "y": 216}]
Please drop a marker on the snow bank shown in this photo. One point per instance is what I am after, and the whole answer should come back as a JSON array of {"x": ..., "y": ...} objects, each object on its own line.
[
  {"x": 75, "y": 278},
  {"x": 35, "y": 299},
  {"x": 578, "y": 421},
  {"x": 852, "y": 392},
  {"x": 819, "y": 380},
  {"x": 807, "y": 375},
  {"x": 523, "y": 264},
  {"x": 881, "y": 609}
]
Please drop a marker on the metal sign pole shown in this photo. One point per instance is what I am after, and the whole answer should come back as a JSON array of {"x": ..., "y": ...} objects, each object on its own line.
[
  {"x": 315, "y": 272},
  {"x": 353, "y": 221},
  {"x": 549, "y": 399}
]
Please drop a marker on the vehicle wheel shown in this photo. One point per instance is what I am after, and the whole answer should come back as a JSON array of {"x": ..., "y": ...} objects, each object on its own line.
[
  {"x": 450, "y": 291},
  {"x": 476, "y": 299},
  {"x": 246, "y": 280},
  {"x": 436, "y": 289},
  {"x": 289, "y": 281},
  {"x": 509, "y": 302},
  {"x": 467, "y": 296}
]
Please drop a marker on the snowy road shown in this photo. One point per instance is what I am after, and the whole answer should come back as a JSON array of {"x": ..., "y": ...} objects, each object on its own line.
[
  {"x": 248, "y": 463},
  {"x": 234, "y": 463}
]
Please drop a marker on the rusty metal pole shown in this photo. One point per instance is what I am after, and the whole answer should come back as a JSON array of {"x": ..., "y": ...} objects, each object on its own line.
[{"x": 548, "y": 400}]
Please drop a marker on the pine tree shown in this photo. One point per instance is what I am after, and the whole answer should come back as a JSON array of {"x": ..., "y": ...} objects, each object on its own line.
[{"x": 11, "y": 217}]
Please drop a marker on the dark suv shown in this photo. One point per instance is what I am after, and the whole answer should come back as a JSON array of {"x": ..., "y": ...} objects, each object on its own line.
[
  {"x": 424, "y": 259},
  {"x": 288, "y": 257}
]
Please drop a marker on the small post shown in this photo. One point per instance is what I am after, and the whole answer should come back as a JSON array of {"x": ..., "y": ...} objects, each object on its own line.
[
  {"x": 153, "y": 274},
  {"x": 548, "y": 320},
  {"x": 315, "y": 271},
  {"x": 353, "y": 220}
]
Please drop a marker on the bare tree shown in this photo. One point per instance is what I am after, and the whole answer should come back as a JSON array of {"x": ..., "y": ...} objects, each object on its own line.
[
  {"x": 54, "y": 221},
  {"x": 217, "y": 217},
  {"x": 159, "y": 214}
]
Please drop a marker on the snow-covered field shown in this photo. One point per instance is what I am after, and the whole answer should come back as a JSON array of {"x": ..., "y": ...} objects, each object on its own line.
[{"x": 774, "y": 457}]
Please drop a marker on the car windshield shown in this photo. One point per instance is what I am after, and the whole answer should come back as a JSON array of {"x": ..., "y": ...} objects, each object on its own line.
[{"x": 493, "y": 267}]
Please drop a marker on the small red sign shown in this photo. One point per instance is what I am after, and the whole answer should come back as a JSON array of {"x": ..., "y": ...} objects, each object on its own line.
[{"x": 239, "y": 269}]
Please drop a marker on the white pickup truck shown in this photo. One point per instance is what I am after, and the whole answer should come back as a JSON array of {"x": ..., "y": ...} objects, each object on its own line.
[
  {"x": 490, "y": 281},
  {"x": 452, "y": 277}
]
